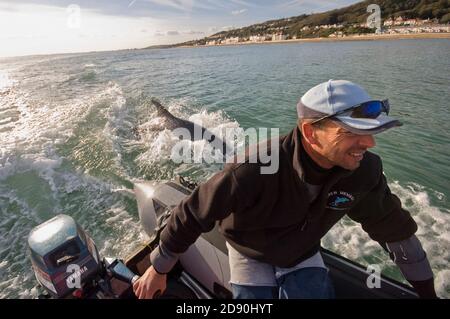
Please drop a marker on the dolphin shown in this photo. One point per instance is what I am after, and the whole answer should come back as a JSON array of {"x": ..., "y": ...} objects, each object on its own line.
[
  {"x": 340, "y": 200},
  {"x": 172, "y": 122}
]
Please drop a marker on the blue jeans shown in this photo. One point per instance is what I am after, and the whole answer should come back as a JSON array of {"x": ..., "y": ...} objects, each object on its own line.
[{"x": 305, "y": 283}]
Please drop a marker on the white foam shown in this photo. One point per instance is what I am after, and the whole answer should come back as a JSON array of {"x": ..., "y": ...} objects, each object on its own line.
[
  {"x": 7, "y": 168},
  {"x": 116, "y": 131},
  {"x": 40, "y": 128},
  {"x": 125, "y": 192},
  {"x": 442, "y": 282},
  {"x": 158, "y": 144},
  {"x": 31, "y": 146},
  {"x": 128, "y": 234},
  {"x": 5, "y": 82},
  {"x": 348, "y": 239},
  {"x": 3, "y": 264},
  {"x": 14, "y": 229}
]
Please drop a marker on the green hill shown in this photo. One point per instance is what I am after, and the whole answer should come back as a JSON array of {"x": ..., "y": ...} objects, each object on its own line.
[{"x": 348, "y": 18}]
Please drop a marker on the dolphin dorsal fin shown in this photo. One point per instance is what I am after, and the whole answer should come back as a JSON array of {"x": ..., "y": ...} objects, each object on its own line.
[{"x": 162, "y": 111}]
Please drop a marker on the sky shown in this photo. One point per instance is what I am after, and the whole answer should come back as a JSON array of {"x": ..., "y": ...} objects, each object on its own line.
[{"x": 29, "y": 27}]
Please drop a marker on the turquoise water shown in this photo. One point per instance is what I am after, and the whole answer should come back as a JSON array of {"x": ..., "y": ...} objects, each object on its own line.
[{"x": 67, "y": 141}]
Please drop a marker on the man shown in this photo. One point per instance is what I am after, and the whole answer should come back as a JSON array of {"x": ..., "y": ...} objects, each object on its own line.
[{"x": 273, "y": 223}]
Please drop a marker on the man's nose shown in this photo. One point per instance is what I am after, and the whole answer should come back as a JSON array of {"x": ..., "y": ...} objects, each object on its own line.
[{"x": 367, "y": 141}]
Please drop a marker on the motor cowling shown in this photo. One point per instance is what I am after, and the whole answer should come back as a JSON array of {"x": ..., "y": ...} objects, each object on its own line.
[{"x": 64, "y": 258}]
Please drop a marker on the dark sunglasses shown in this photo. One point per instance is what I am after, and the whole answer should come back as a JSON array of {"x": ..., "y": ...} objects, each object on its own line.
[{"x": 366, "y": 110}]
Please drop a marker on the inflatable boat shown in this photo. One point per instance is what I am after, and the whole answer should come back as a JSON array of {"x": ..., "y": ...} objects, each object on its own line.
[
  {"x": 67, "y": 264},
  {"x": 204, "y": 266}
]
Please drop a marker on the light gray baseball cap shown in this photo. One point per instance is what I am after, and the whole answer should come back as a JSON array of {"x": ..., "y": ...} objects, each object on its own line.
[{"x": 333, "y": 96}]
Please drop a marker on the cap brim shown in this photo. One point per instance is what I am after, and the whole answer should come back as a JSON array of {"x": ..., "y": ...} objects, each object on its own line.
[{"x": 364, "y": 126}]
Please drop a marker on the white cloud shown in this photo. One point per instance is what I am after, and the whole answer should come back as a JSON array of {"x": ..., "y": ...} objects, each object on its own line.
[
  {"x": 303, "y": 3},
  {"x": 39, "y": 29},
  {"x": 217, "y": 3},
  {"x": 314, "y": 5},
  {"x": 173, "y": 32},
  {"x": 244, "y": 3},
  {"x": 228, "y": 28},
  {"x": 193, "y": 32},
  {"x": 238, "y": 12},
  {"x": 184, "y": 5}
]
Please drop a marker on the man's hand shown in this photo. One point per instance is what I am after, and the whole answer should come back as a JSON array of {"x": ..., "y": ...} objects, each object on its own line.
[{"x": 150, "y": 284}]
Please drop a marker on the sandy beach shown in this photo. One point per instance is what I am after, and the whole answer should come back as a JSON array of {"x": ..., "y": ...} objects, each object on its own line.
[{"x": 366, "y": 37}]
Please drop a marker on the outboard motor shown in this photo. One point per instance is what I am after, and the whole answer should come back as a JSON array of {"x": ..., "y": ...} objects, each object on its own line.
[
  {"x": 63, "y": 256},
  {"x": 66, "y": 263}
]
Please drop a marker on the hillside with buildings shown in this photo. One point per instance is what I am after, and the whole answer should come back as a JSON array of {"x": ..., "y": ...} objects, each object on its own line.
[{"x": 397, "y": 17}]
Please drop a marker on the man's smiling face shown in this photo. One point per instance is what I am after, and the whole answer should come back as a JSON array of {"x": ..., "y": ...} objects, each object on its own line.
[{"x": 333, "y": 145}]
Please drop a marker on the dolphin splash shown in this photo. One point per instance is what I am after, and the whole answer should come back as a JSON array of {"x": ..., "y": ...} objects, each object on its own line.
[{"x": 196, "y": 132}]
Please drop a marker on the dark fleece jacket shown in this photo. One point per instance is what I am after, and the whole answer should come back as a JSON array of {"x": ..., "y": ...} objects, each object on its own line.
[{"x": 270, "y": 218}]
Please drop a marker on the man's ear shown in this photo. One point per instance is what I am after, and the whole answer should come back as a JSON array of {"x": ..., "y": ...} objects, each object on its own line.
[{"x": 308, "y": 132}]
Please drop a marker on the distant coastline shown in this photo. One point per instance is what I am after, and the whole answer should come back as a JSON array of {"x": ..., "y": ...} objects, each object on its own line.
[{"x": 365, "y": 37}]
